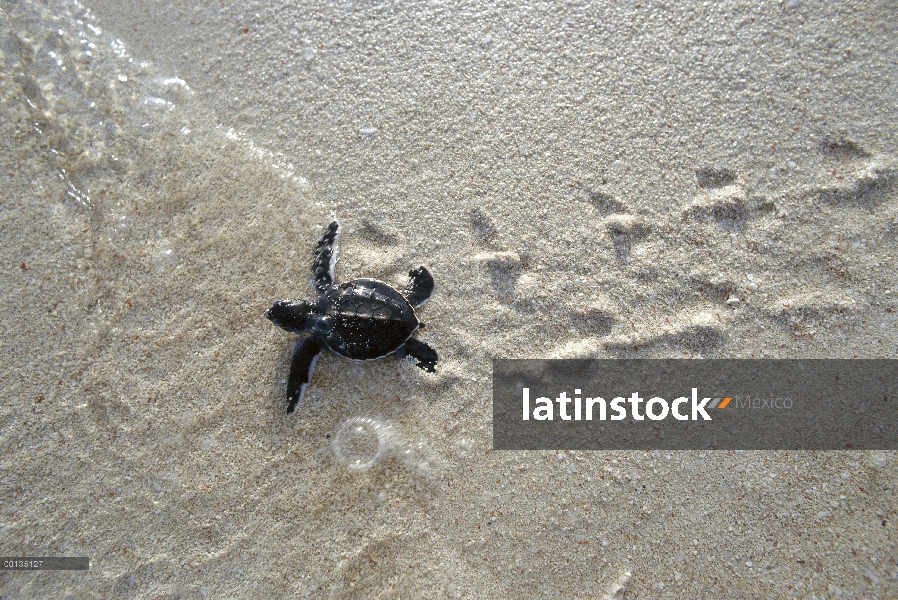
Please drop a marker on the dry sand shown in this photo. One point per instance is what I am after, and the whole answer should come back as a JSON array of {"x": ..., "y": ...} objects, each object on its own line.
[{"x": 593, "y": 180}]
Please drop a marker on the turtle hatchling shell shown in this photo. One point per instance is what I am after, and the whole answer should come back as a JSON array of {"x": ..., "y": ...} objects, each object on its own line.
[{"x": 370, "y": 319}]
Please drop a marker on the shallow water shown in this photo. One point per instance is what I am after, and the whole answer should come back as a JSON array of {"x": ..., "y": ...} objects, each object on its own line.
[{"x": 157, "y": 200}]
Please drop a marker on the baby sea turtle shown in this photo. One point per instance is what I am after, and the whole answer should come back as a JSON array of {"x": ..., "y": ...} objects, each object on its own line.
[{"x": 363, "y": 319}]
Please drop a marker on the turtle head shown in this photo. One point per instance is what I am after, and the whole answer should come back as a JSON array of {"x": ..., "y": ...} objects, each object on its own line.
[{"x": 293, "y": 315}]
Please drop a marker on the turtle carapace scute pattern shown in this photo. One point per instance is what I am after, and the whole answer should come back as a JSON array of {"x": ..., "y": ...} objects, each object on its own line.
[{"x": 362, "y": 319}]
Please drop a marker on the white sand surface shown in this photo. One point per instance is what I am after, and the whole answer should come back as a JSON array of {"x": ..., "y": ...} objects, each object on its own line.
[{"x": 611, "y": 179}]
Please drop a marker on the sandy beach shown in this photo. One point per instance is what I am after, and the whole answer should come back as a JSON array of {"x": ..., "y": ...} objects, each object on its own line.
[{"x": 584, "y": 180}]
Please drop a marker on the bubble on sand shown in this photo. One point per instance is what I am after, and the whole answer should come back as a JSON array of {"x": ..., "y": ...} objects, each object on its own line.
[{"x": 360, "y": 442}]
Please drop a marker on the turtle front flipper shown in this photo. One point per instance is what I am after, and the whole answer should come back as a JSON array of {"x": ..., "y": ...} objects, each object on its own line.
[
  {"x": 425, "y": 355},
  {"x": 420, "y": 286},
  {"x": 325, "y": 258},
  {"x": 305, "y": 355}
]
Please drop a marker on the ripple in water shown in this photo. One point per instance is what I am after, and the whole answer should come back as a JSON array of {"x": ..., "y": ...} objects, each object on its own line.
[{"x": 77, "y": 96}]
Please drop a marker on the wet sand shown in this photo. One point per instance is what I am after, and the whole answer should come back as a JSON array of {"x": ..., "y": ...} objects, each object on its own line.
[{"x": 624, "y": 180}]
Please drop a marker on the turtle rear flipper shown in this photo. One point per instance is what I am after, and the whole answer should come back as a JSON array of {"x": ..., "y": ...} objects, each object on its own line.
[
  {"x": 425, "y": 355},
  {"x": 420, "y": 286},
  {"x": 325, "y": 258},
  {"x": 305, "y": 355}
]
